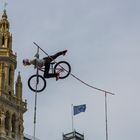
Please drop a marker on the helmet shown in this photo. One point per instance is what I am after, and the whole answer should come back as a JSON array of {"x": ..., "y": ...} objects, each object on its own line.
[{"x": 26, "y": 62}]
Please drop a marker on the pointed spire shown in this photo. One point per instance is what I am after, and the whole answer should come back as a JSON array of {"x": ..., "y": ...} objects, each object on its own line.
[
  {"x": 4, "y": 23},
  {"x": 18, "y": 78},
  {"x": 4, "y": 14},
  {"x": 19, "y": 87},
  {"x": 4, "y": 11}
]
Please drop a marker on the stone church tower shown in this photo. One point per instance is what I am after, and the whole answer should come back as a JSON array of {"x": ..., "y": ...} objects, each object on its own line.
[{"x": 12, "y": 106}]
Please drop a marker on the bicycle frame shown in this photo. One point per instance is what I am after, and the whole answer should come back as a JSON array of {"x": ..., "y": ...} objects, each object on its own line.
[{"x": 51, "y": 67}]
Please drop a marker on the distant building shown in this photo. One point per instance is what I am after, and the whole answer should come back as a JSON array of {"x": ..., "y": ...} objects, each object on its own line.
[
  {"x": 12, "y": 106},
  {"x": 73, "y": 136},
  {"x": 28, "y": 137},
  {"x": 25, "y": 138}
]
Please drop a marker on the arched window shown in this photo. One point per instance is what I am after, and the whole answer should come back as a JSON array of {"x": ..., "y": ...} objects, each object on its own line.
[
  {"x": 0, "y": 122},
  {"x": 13, "y": 123},
  {"x": 10, "y": 74},
  {"x": 3, "y": 40},
  {"x": 8, "y": 43},
  {"x": 10, "y": 93},
  {"x": 7, "y": 120}
]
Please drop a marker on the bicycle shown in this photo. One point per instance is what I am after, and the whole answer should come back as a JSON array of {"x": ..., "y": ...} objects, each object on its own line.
[{"x": 37, "y": 82}]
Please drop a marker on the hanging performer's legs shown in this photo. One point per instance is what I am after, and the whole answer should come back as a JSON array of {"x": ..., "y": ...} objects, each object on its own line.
[
  {"x": 53, "y": 57},
  {"x": 46, "y": 72},
  {"x": 48, "y": 60}
]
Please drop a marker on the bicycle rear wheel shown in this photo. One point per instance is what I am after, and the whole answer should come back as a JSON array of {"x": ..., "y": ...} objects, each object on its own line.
[
  {"x": 63, "y": 68},
  {"x": 37, "y": 83}
]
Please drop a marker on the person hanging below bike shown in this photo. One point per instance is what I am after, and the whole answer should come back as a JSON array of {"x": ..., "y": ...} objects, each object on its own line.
[{"x": 45, "y": 62}]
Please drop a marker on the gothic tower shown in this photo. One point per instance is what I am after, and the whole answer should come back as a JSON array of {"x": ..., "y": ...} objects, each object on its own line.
[{"x": 12, "y": 106}]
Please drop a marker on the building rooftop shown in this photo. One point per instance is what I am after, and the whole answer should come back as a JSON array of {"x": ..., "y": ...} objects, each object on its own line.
[
  {"x": 72, "y": 135},
  {"x": 28, "y": 137}
]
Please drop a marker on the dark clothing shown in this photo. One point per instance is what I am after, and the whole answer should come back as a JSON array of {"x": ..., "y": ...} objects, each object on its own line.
[{"x": 48, "y": 60}]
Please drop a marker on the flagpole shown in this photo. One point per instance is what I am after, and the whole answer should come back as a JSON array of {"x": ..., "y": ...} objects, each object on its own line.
[
  {"x": 106, "y": 116},
  {"x": 72, "y": 117}
]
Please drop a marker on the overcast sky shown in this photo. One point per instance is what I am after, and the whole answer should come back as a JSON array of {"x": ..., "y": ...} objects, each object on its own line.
[{"x": 102, "y": 39}]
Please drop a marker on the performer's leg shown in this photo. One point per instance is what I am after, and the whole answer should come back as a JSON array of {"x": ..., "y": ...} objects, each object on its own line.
[
  {"x": 47, "y": 65},
  {"x": 53, "y": 57},
  {"x": 47, "y": 68},
  {"x": 58, "y": 54},
  {"x": 46, "y": 72}
]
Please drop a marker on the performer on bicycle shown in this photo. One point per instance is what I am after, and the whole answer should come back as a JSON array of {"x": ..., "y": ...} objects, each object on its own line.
[{"x": 45, "y": 62}]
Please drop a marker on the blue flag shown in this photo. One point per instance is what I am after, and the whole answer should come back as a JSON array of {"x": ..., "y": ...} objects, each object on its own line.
[{"x": 78, "y": 109}]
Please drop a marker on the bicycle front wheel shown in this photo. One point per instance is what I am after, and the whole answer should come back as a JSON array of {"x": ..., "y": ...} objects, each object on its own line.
[
  {"x": 63, "y": 68},
  {"x": 37, "y": 83}
]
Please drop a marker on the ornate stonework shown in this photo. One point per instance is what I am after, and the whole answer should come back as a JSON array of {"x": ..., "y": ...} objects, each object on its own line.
[{"x": 12, "y": 106}]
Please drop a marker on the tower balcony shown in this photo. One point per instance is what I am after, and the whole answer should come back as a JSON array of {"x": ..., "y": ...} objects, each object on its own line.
[{"x": 12, "y": 100}]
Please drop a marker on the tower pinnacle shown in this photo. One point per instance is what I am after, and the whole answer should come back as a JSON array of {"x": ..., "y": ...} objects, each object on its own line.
[
  {"x": 4, "y": 11},
  {"x": 4, "y": 14},
  {"x": 5, "y": 4}
]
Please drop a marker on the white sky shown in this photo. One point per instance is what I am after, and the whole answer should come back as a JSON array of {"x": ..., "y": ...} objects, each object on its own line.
[{"x": 102, "y": 39}]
